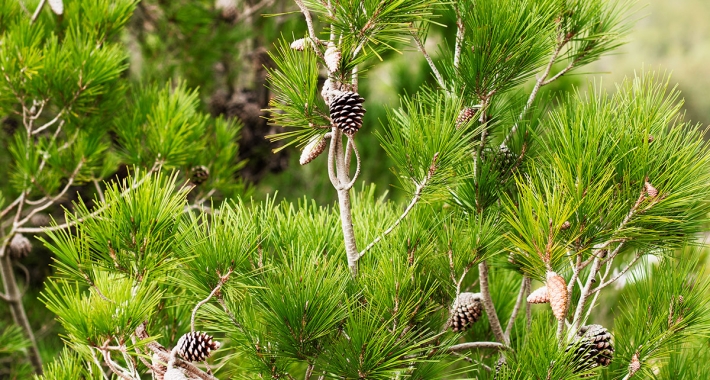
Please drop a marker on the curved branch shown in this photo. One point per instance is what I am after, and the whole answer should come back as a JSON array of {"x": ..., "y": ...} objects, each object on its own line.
[
  {"x": 524, "y": 289},
  {"x": 417, "y": 196},
  {"x": 420, "y": 46},
  {"x": 221, "y": 282},
  {"x": 488, "y": 303},
  {"x": 351, "y": 143},
  {"x": 37, "y": 11}
]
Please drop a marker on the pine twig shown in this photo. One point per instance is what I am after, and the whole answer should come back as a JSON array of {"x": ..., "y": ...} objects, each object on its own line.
[
  {"x": 420, "y": 46},
  {"x": 37, "y": 11},
  {"x": 222, "y": 280},
  {"x": 417, "y": 196},
  {"x": 54, "y": 199},
  {"x": 524, "y": 288},
  {"x": 39, "y": 230},
  {"x": 541, "y": 81},
  {"x": 476, "y": 345},
  {"x": 460, "y": 30},
  {"x": 613, "y": 279},
  {"x": 488, "y": 303}
]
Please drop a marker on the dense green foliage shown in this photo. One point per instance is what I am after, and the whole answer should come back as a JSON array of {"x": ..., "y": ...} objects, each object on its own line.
[{"x": 504, "y": 185}]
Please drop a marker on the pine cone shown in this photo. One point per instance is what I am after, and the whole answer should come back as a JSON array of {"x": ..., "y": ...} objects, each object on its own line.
[
  {"x": 332, "y": 58},
  {"x": 566, "y": 225},
  {"x": 227, "y": 8},
  {"x": 57, "y": 6},
  {"x": 196, "y": 346},
  {"x": 299, "y": 44},
  {"x": 313, "y": 149},
  {"x": 466, "y": 311},
  {"x": 650, "y": 190},
  {"x": 175, "y": 374},
  {"x": 557, "y": 290},
  {"x": 465, "y": 116},
  {"x": 346, "y": 111},
  {"x": 594, "y": 347},
  {"x": 539, "y": 296},
  {"x": 19, "y": 247},
  {"x": 199, "y": 174}
]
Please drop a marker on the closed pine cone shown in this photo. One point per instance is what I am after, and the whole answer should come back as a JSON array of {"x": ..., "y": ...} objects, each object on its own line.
[
  {"x": 557, "y": 291},
  {"x": 19, "y": 247},
  {"x": 539, "y": 296},
  {"x": 466, "y": 311},
  {"x": 313, "y": 149}
]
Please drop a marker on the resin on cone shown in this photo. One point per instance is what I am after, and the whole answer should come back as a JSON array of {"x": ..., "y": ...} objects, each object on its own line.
[
  {"x": 539, "y": 296},
  {"x": 557, "y": 291}
]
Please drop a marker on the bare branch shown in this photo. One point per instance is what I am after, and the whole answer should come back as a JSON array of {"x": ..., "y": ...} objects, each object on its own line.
[
  {"x": 538, "y": 84},
  {"x": 37, "y": 11},
  {"x": 420, "y": 46},
  {"x": 351, "y": 145},
  {"x": 618, "y": 275},
  {"x": 417, "y": 196},
  {"x": 51, "y": 202},
  {"x": 39, "y": 230},
  {"x": 221, "y": 282},
  {"x": 488, "y": 303},
  {"x": 477, "y": 345},
  {"x": 459, "y": 36},
  {"x": 524, "y": 289}
]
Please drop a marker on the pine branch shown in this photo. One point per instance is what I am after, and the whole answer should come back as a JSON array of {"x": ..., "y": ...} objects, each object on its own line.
[
  {"x": 222, "y": 280},
  {"x": 488, "y": 303},
  {"x": 54, "y": 199},
  {"x": 460, "y": 29},
  {"x": 476, "y": 345},
  {"x": 39, "y": 230},
  {"x": 623, "y": 271},
  {"x": 37, "y": 11},
  {"x": 417, "y": 196},
  {"x": 524, "y": 290},
  {"x": 420, "y": 46}
]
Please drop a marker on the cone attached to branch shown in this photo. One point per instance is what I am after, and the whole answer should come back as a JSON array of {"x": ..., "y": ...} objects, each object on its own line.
[
  {"x": 196, "y": 346},
  {"x": 539, "y": 296},
  {"x": 557, "y": 291},
  {"x": 199, "y": 174},
  {"x": 19, "y": 247},
  {"x": 594, "y": 347},
  {"x": 650, "y": 190},
  {"x": 313, "y": 149},
  {"x": 466, "y": 311},
  {"x": 465, "y": 116},
  {"x": 346, "y": 111}
]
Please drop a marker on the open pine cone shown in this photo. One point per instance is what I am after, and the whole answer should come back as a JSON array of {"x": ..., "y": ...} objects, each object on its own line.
[
  {"x": 196, "y": 346},
  {"x": 466, "y": 311},
  {"x": 594, "y": 347}
]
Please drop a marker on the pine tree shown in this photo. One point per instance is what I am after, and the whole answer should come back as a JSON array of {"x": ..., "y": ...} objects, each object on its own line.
[{"x": 571, "y": 196}]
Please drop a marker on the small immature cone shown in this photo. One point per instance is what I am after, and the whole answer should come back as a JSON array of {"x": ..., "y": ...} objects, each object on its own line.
[
  {"x": 332, "y": 58},
  {"x": 465, "y": 116},
  {"x": 539, "y": 296},
  {"x": 634, "y": 365},
  {"x": 57, "y": 6},
  {"x": 650, "y": 190},
  {"x": 313, "y": 149},
  {"x": 557, "y": 290},
  {"x": 299, "y": 44},
  {"x": 566, "y": 225},
  {"x": 19, "y": 247}
]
